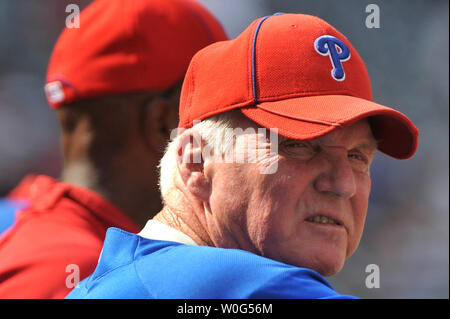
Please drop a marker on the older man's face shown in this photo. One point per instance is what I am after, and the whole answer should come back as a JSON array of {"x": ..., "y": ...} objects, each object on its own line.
[{"x": 309, "y": 213}]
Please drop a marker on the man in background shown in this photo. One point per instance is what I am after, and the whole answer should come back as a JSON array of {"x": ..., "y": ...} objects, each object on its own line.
[{"x": 114, "y": 84}]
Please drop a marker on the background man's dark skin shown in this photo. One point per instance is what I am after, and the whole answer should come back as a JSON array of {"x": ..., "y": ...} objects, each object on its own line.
[{"x": 112, "y": 145}]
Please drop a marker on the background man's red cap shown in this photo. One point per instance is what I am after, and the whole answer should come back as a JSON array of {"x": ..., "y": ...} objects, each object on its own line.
[
  {"x": 125, "y": 46},
  {"x": 296, "y": 73}
]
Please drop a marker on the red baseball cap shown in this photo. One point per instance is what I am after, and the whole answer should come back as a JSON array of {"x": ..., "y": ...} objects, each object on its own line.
[
  {"x": 126, "y": 46},
  {"x": 296, "y": 73}
]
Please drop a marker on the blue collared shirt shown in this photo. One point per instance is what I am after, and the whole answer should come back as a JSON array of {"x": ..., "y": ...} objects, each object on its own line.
[{"x": 131, "y": 266}]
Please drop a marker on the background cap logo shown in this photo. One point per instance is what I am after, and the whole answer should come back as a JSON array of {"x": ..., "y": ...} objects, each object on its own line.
[
  {"x": 54, "y": 92},
  {"x": 338, "y": 52}
]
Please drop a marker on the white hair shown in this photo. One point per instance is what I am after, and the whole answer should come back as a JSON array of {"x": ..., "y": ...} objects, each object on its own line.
[{"x": 214, "y": 131}]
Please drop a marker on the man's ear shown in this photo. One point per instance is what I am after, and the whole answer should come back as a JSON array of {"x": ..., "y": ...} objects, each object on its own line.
[
  {"x": 160, "y": 118},
  {"x": 190, "y": 165}
]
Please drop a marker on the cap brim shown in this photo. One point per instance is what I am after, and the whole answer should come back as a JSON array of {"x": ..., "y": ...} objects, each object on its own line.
[{"x": 310, "y": 117}]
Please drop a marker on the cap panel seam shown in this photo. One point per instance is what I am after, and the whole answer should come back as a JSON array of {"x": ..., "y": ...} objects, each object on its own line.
[
  {"x": 201, "y": 20},
  {"x": 306, "y": 94},
  {"x": 191, "y": 90},
  {"x": 227, "y": 108},
  {"x": 250, "y": 67},
  {"x": 253, "y": 55},
  {"x": 133, "y": 29},
  {"x": 253, "y": 59}
]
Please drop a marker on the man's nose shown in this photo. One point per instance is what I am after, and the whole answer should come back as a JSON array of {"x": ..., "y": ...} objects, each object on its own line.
[{"x": 337, "y": 177}]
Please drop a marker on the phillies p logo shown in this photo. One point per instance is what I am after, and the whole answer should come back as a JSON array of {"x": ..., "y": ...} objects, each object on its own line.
[{"x": 338, "y": 52}]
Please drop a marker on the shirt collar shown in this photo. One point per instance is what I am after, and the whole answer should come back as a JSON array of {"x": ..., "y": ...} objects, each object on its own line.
[{"x": 159, "y": 231}]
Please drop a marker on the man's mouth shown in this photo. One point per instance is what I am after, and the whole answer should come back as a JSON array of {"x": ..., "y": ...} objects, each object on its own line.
[{"x": 321, "y": 219}]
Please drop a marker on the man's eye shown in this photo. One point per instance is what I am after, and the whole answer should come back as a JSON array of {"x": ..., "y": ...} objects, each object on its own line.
[
  {"x": 359, "y": 162},
  {"x": 297, "y": 148},
  {"x": 295, "y": 144},
  {"x": 357, "y": 156}
]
